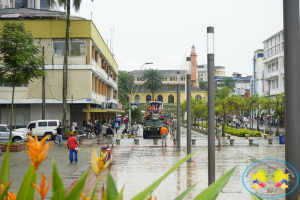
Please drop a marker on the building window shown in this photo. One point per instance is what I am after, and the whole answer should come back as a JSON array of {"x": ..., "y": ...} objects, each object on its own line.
[
  {"x": 138, "y": 79},
  {"x": 137, "y": 98},
  {"x": 10, "y": 85},
  {"x": 273, "y": 67},
  {"x": 165, "y": 78},
  {"x": 77, "y": 47},
  {"x": 148, "y": 98},
  {"x": 198, "y": 96},
  {"x": 181, "y": 78},
  {"x": 171, "y": 99},
  {"x": 269, "y": 69},
  {"x": 160, "y": 98},
  {"x": 273, "y": 84},
  {"x": 276, "y": 83},
  {"x": 170, "y": 78},
  {"x": 276, "y": 65}
]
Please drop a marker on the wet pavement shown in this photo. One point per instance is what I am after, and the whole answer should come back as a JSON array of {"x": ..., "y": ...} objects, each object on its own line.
[{"x": 137, "y": 166}]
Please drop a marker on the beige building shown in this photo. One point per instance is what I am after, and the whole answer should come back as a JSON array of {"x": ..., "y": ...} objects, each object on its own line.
[
  {"x": 202, "y": 72},
  {"x": 92, "y": 72}
]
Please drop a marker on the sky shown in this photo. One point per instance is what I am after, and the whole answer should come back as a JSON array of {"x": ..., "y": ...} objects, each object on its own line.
[{"x": 163, "y": 31}]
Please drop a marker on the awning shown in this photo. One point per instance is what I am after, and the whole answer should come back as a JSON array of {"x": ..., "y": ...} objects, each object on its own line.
[{"x": 104, "y": 111}]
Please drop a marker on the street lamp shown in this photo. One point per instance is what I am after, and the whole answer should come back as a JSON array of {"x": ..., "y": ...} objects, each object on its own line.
[
  {"x": 251, "y": 105},
  {"x": 148, "y": 63},
  {"x": 188, "y": 100},
  {"x": 269, "y": 110},
  {"x": 178, "y": 110},
  {"x": 211, "y": 105}
]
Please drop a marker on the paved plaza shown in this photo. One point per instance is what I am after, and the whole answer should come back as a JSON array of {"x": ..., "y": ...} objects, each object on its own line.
[{"x": 137, "y": 166}]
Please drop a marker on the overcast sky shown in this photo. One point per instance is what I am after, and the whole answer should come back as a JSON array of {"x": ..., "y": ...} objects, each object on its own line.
[{"x": 163, "y": 31}]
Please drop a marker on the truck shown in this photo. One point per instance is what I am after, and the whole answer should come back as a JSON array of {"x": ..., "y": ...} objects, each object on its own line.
[{"x": 152, "y": 126}]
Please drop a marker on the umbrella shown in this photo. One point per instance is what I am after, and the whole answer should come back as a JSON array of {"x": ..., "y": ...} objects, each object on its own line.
[{"x": 118, "y": 120}]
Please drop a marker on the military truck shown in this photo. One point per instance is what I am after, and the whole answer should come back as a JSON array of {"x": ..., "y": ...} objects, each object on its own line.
[{"x": 152, "y": 127}]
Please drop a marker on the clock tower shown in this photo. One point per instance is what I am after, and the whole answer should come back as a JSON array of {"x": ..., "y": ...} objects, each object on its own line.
[{"x": 194, "y": 71}]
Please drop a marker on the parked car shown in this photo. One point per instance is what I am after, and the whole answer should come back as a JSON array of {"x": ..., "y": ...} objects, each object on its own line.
[
  {"x": 42, "y": 128},
  {"x": 17, "y": 136}
]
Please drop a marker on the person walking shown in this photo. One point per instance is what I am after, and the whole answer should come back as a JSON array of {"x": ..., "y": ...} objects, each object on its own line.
[
  {"x": 126, "y": 122},
  {"x": 59, "y": 133},
  {"x": 109, "y": 135},
  {"x": 236, "y": 123},
  {"x": 134, "y": 129},
  {"x": 174, "y": 127},
  {"x": 164, "y": 134},
  {"x": 117, "y": 126},
  {"x": 72, "y": 146},
  {"x": 103, "y": 131},
  {"x": 83, "y": 124},
  {"x": 98, "y": 128},
  {"x": 95, "y": 126}
]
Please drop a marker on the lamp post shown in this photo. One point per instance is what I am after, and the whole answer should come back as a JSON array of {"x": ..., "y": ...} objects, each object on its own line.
[
  {"x": 292, "y": 84},
  {"x": 178, "y": 110},
  {"x": 188, "y": 101},
  {"x": 269, "y": 110},
  {"x": 251, "y": 105},
  {"x": 148, "y": 63},
  {"x": 211, "y": 104}
]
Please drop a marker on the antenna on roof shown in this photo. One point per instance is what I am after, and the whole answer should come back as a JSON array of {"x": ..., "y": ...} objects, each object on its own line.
[{"x": 91, "y": 15}]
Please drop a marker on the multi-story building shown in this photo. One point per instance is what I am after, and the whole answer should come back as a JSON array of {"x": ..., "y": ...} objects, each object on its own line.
[
  {"x": 258, "y": 72},
  {"x": 242, "y": 84},
  {"x": 274, "y": 64},
  {"x": 202, "y": 72},
  {"x": 36, "y": 4},
  {"x": 92, "y": 72}
]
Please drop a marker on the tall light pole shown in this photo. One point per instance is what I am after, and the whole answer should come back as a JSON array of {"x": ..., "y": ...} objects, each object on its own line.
[
  {"x": 211, "y": 105},
  {"x": 251, "y": 106},
  {"x": 178, "y": 109},
  {"x": 269, "y": 110},
  {"x": 148, "y": 63},
  {"x": 188, "y": 102},
  {"x": 292, "y": 85}
]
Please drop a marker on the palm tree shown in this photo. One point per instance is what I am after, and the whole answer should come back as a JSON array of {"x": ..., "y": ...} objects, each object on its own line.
[
  {"x": 228, "y": 82},
  {"x": 125, "y": 82},
  {"x": 66, "y": 4},
  {"x": 222, "y": 97},
  {"x": 257, "y": 103},
  {"x": 278, "y": 107},
  {"x": 203, "y": 85},
  {"x": 153, "y": 80}
]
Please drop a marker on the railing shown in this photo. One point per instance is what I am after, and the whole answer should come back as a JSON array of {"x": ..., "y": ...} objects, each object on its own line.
[{"x": 104, "y": 74}]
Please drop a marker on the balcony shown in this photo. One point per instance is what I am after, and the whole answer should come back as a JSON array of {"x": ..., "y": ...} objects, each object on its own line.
[
  {"x": 102, "y": 98},
  {"x": 104, "y": 75},
  {"x": 72, "y": 60}
]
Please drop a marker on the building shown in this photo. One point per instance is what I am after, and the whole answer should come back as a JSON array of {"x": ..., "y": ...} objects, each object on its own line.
[
  {"x": 36, "y": 4},
  {"x": 194, "y": 71},
  {"x": 92, "y": 71},
  {"x": 274, "y": 64},
  {"x": 258, "y": 72},
  {"x": 166, "y": 94},
  {"x": 202, "y": 72}
]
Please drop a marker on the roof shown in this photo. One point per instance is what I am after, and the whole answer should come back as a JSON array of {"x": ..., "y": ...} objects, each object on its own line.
[
  {"x": 35, "y": 13},
  {"x": 162, "y": 72},
  {"x": 166, "y": 88}
]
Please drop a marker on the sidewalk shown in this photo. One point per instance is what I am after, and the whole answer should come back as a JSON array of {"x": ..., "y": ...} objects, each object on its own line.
[{"x": 137, "y": 166}]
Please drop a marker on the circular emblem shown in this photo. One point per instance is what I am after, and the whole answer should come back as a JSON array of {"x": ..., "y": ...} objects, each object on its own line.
[{"x": 269, "y": 178}]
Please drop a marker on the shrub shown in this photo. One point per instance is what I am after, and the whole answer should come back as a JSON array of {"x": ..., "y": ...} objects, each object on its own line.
[{"x": 241, "y": 132}]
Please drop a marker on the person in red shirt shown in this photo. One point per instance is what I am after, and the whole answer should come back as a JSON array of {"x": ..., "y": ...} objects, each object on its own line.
[
  {"x": 126, "y": 122},
  {"x": 72, "y": 144}
]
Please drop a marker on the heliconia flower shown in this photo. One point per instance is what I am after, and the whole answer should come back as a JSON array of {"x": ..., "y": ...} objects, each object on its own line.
[
  {"x": 11, "y": 196},
  {"x": 103, "y": 194},
  {"x": 98, "y": 164},
  {"x": 42, "y": 190},
  {"x": 37, "y": 150},
  {"x": 3, "y": 187},
  {"x": 151, "y": 198},
  {"x": 84, "y": 197}
]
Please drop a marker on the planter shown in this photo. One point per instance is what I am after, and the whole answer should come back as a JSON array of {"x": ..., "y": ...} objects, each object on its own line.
[
  {"x": 122, "y": 136},
  {"x": 193, "y": 141},
  {"x": 228, "y": 136},
  {"x": 13, "y": 147},
  {"x": 277, "y": 133},
  {"x": 118, "y": 141},
  {"x": 80, "y": 141},
  {"x": 265, "y": 136},
  {"x": 250, "y": 142},
  {"x": 247, "y": 136},
  {"x": 155, "y": 141},
  {"x": 129, "y": 136},
  {"x": 136, "y": 141},
  {"x": 281, "y": 139},
  {"x": 231, "y": 141},
  {"x": 270, "y": 141},
  {"x": 174, "y": 141}
]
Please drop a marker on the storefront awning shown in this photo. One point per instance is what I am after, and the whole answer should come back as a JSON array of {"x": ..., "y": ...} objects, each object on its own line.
[{"x": 104, "y": 111}]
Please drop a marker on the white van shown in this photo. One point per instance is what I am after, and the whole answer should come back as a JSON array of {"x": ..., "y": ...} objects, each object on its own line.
[{"x": 41, "y": 128}]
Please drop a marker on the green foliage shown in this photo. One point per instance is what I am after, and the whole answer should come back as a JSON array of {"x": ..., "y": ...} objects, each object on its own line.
[
  {"x": 77, "y": 189},
  {"x": 228, "y": 82},
  {"x": 241, "y": 132},
  {"x": 136, "y": 113},
  {"x": 5, "y": 168},
  {"x": 111, "y": 188},
  {"x": 57, "y": 184},
  {"x": 125, "y": 83},
  {"x": 67, "y": 130},
  {"x": 153, "y": 80},
  {"x": 203, "y": 85},
  {"x": 26, "y": 191},
  {"x": 182, "y": 195}
]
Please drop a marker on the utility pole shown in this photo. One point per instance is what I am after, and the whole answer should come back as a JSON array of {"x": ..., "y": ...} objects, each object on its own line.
[
  {"x": 189, "y": 113},
  {"x": 269, "y": 110},
  {"x": 178, "y": 110},
  {"x": 43, "y": 85},
  {"x": 292, "y": 85}
]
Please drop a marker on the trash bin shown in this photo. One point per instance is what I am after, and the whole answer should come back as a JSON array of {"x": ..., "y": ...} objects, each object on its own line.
[{"x": 281, "y": 139}]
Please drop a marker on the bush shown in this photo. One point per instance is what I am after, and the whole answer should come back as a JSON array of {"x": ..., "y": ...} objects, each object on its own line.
[{"x": 241, "y": 132}]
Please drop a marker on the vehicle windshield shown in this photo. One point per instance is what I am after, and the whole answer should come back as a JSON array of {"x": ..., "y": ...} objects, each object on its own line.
[{"x": 150, "y": 123}]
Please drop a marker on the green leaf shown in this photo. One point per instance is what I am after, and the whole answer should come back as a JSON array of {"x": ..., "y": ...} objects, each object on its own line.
[
  {"x": 5, "y": 167},
  {"x": 95, "y": 188},
  {"x": 58, "y": 188},
  {"x": 26, "y": 191},
  {"x": 181, "y": 196},
  {"x": 111, "y": 189},
  {"x": 77, "y": 189},
  {"x": 120, "y": 195},
  {"x": 256, "y": 197},
  {"x": 214, "y": 189},
  {"x": 4, "y": 192},
  {"x": 148, "y": 191}
]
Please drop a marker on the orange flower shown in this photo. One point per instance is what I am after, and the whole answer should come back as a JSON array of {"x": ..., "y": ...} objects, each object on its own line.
[
  {"x": 11, "y": 196},
  {"x": 98, "y": 164},
  {"x": 37, "y": 150},
  {"x": 42, "y": 190},
  {"x": 151, "y": 198},
  {"x": 84, "y": 197},
  {"x": 3, "y": 187}
]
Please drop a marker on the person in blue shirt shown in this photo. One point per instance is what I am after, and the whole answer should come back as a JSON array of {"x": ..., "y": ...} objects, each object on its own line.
[
  {"x": 98, "y": 128},
  {"x": 117, "y": 126}
]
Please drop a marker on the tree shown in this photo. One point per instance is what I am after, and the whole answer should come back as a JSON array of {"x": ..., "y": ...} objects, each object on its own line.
[
  {"x": 136, "y": 114},
  {"x": 20, "y": 57},
  {"x": 153, "y": 80},
  {"x": 256, "y": 101},
  {"x": 278, "y": 107},
  {"x": 66, "y": 4},
  {"x": 228, "y": 82},
  {"x": 125, "y": 83},
  {"x": 221, "y": 99},
  {"x": 203, "y": 85}
]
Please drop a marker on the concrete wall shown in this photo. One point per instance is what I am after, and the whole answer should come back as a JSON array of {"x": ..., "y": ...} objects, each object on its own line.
[
  {"x": 52, "y": 111},
  {"x": 20, "y": 92}
]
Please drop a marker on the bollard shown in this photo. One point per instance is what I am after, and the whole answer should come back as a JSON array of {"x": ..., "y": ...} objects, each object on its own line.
[
  {"x": 155, "y": 141},
  {"x": 265, "y": 136},
  {"x": 136, "y": 141},
  {"x": 174, "y": 141},
  {"x": 231, "y": 142},
  {"x": 80, "y": 141},
  {"x": 99, "y": 141},
  {"x": 193, "y": 141},
  {"x": 228, "y": 136},
  {"x": 129, "y": 136},
  {"x": 270, "y": 141},
  {"x": 247, "y": 136},
  {"x": 122, "y": 136},
  {"x": 118, "y": 141},
  {"x": 251, "y": 142}
]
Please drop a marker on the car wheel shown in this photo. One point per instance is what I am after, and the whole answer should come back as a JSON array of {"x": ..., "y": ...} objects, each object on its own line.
[
  {"x": 51, "y": 136},
  {"x": 17, "y": 139},
  {"x": 54, "y": 139}
]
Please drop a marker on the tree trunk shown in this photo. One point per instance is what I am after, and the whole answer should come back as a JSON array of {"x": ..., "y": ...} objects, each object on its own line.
[
  {"x": 12, "y": 108},
  {"x": 65, "y": 67},
  {"x": 152, "y": 95},
  {"x": 223, "y": 124}
]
